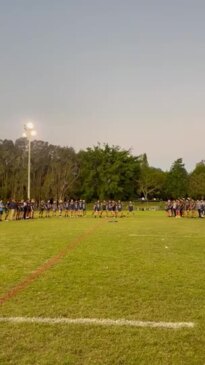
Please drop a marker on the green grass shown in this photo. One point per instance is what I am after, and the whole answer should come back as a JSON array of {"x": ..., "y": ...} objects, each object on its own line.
[{"x": 146, "y": 267}]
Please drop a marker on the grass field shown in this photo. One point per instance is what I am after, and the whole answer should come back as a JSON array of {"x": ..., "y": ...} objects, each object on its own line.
[{"x": 147, "y": 268}]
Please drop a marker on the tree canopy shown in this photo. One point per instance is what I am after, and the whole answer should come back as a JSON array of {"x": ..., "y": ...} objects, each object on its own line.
[
  {"x": 102, "y": 171},
  {"x": 177, "y": 180},
  {"x": 197, "y": 181}
]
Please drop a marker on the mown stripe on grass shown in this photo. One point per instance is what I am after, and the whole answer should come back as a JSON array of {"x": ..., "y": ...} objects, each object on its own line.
[
  {"x": 98, "y": 322},
  {"x": 159, "y": 236},
  {"x": 46, "y": 265}
]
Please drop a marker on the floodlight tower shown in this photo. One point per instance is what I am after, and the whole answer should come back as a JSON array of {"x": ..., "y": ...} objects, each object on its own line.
[{"x": 29, "y": 132}]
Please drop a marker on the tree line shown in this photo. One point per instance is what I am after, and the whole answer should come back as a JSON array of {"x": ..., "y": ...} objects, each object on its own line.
[{"x": 99, "y": 172}]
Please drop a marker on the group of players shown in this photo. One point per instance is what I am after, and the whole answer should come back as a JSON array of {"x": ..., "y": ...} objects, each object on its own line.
[
  {"x": 27, "y": 209},
  {"x": 185, "y": 208},
  {"x": 68, "y": 208},
  {"x": 111, "y": 208}
]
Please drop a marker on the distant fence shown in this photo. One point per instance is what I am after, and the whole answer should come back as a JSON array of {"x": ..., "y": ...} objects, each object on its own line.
[{"x": 149, "y": 205}]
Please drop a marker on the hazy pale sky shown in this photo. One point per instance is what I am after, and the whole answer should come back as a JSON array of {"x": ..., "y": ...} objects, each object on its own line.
[{"x": 129, "y": 73}]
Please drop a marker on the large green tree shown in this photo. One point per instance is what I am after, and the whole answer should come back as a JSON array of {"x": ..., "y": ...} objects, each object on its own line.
[
  {"x": 100, "y": 172},
  {"x": 151, "y": 179},
  {"x": 108, "y": 172},
  {"x": 197, "y": 181},
  {"x": 63, "y": 173},
  {"x": 176, "y": 184},
  {"x": 12, "y": 169}
]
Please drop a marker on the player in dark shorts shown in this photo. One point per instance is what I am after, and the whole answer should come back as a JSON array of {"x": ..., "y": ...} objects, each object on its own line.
[
  {"x": 29, "y": 209},
  {"x": 76, "y": 207},
  {"x": 97, "y": 209},
  {"x": 71, "y": 208},
  {"x": 41, "y": 209},
  {"x": 119, "y": 209},
  {"x": 193, "y": 209},
  {"x": 66, "y": 208},
  {"x": 182, "y": 207},
  {"x": 109, "y": 208},
  {"x": 60, "y": 208},
  {"x": 168, "y": 208},
  {"x": 114, "y": 209},
  {"x": 6, "y": 210},
  {"x": 84, "y": 208},
  {"x": 1, "y": 210},
  {"x": 80, "y": 208},
  {"x": 54, "y": 208},
  {"x": 18, "y": 210},
  {"x": 177, "y": 209},
  {"x": 104, "y": 208},
  {"x": 202, "y": 208},
  {"x": 33, "y": 205},
  {"x": 48, "y": 208},
  {"x": 130, "y": 208},
  {"x": 26, "y": 209},
  {"x": 174, "y": 208},
  {"x": 199, "y": 208}
]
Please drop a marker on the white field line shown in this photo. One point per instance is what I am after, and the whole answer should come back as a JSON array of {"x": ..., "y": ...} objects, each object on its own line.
[{"x": 98, "y": 322}]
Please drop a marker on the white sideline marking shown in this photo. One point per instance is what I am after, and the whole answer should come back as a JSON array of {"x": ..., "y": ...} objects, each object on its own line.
[{"x": 98, "y": 322}]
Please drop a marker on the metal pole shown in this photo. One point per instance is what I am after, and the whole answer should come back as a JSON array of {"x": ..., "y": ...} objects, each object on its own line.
[{"x": 29, "y": 167}]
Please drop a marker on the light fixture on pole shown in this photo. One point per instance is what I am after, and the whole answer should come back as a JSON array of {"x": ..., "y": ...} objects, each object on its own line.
[{"x": 29, "y": 132}]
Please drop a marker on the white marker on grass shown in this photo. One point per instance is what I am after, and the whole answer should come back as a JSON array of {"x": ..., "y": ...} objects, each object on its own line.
[{"x": 98, "y": 322}]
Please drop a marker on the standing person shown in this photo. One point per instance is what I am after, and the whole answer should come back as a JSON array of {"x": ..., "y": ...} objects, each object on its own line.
[
  {"x": 80, "y": 208},
  {"x": 71, "y": 208},
  {"x": 97, "y": 209},
  {"x": 168, "y": 208},
  {"x": 12, "y": 209},
  {"x": 174, "y": 208},
  {"x": 114, "y": 209},
  {"x": 178, "y": 208},
  {"x": 193, "y": 209},
  {"x": 119, "y": 209},
  {"x": 41, "y": 208},
  {"x": 48, "y": 209},
  {"x": 76, "y": 208},
  {"x": 60, "y": 208},
  {"x": 28, "y": 216},
  {"x": 6, "y": 210},
  {"x": 54, "y": 208},
  {"x": 188, "y": 207},
  {"x": 130, "y": 208},
  {"x": 66, "y": 208},
  {"x": 25, "y": 209},
  {"x": 32, "y": 209},
  {"x": 84, "y": 208},
  {"x": 104, "y": 208},
  {"x": 109, "y": 208},
  {"x": 182, "y": 207},
  {"x": 199, "y": 208},
  {"x": 18, "y": 210},
  {"x": 202, "y": 208},
  {"x": 1, "y": 210}
]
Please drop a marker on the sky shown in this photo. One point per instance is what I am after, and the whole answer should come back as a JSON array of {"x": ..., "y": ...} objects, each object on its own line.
[{"x": 127, "y": 73}]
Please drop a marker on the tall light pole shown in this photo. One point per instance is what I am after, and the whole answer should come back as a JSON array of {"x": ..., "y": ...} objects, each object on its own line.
[{"x": 29, "y": 132}]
